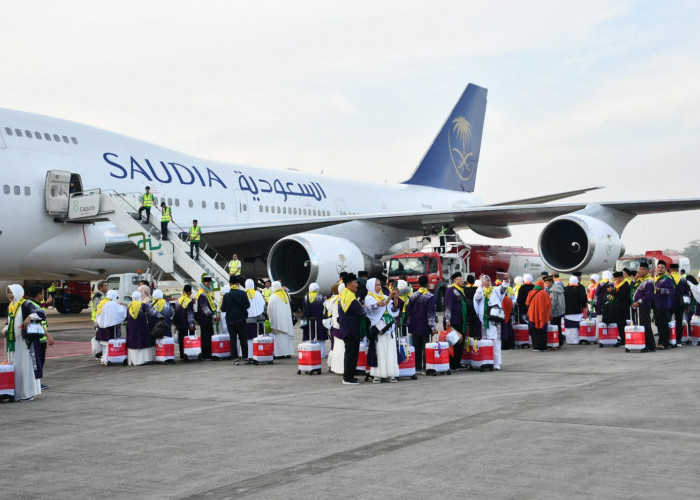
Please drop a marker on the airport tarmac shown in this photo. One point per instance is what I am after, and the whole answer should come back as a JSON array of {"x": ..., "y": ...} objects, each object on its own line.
[{"x": 583, "y": 422}]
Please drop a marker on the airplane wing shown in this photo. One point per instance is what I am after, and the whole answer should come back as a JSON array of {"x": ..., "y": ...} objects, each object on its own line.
[
  {"x": 261, "y": 235},
  {"x": 546, "y": 198}
]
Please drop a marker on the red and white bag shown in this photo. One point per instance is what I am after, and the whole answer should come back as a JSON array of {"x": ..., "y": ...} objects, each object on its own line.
[
  {"x": 553, "y": 336},
  {"x": 116, "y": 352},
  {"x": 362, "y": 365},
  {"x": 310, "y": 352},
  {"x": 407, "y": 368},
  {"x": 587, "y": 331},
  {"x": 192, "y": 346},
  {"x": 635, "y": 338},
  {"x": 685, "y": 338},
  {"x": 165, "y": 350},
  {"x": 221, "y": 346},
  {"x": 607, "y": 334},
  {"x": 521, "y": 335},
  {"x": 482, "y": 355},
  {"x": 437, "y": 358},
  {"x": 672, "y": 333},
  {"x": 7, "y": 382},
  {"x": 263, "y": 349},
  {"x": 695, "y": 330}
]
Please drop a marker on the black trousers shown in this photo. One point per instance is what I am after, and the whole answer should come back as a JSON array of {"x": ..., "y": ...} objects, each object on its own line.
[
  {"x": 474, "y": 327},
  {"x": 148, "y": 212},
  {"x": 677, "y": 315},
  {"x": 557, "y": 321},
  {"x": 458, "y": 349},
  {"x": 237, "y": 331},
  {"x": 539, "y": 338},
  {"x": 662, "y": 317},
  {"x": 181, "y": 334},
  {"x": 194, "y": 245},
  {"x": 164, "y": 229},
  {"x": 645, "y": 321},
  {"x": 206, "y": 331},
  {"x": 352, "y": 349},
  {"x": 419, "y": 343}
]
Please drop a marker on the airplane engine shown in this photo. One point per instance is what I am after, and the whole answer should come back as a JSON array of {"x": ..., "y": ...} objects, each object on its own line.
[
  {"x": 578, "y": 242},
  {"x": 301, "y": 259}
]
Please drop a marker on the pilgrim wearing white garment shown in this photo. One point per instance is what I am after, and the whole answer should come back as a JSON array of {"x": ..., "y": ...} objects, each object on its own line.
[
  {"x": 256, "y": 315},
  {"x": 110, "y": 316},
  {"x": 487, "y": 298},
  {"x": 279, "y": 311},
  {"x": 18, "y": 353},
  {"x": 336, "y": 356},
  {"x": 376, "y": 306}
]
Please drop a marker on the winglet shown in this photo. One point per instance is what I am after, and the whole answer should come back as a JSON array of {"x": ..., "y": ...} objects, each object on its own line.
[{"x": 452, "y": 160}]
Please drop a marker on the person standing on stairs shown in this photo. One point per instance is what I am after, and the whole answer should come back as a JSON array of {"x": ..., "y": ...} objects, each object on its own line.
[
  {"x": 165, "y": 217},
  {"x": 146, "y": 204},
  {"x": 195, "y": 236}
]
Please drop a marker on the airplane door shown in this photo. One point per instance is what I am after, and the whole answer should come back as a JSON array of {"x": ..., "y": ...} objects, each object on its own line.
[
  {"x": 241, "y": 207},
  {"x": 340, "y": 207},
  {"x": 56, "y": 191}
]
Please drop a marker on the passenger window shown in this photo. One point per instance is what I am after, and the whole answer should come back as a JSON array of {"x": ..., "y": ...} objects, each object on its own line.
[
  {"x": 245, "y": 207},
  {"x": 204, "y": 204},
  {"x": 177, "y": 202},
  {"x": 223, "y": 206},
  {"x": 65, "y": 139},
  {"x": 47, "y": 136},
  {"x": 56, "y": 138},
  {"x": 8, "y": 130},
  {"x": 305, "y": 212},
  {"x": 267, "y": 209},
  {"x": 28, "y": 133},
  {"x": 190, "y": 203},
  {"x": 17, "y": 190},
  {"x": 74, "y": 140},
  {"x": 27, "y": 191},
  {"x": 216, "y": 205},
  {"x": 284, "y": 210},
  {"x": 314, "y": 212},
  {"x": 37, "y": 135},
  {"x": 170, "y": 202},
  {"x": 278, "y": 210},
  {"x": 6, "y": 189},
  {"x": 261, "y": 208},
  {"x": 18, "y": 132}
]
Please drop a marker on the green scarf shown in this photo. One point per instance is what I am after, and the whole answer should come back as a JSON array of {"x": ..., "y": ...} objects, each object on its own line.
[{"x": 12, "y": 311}]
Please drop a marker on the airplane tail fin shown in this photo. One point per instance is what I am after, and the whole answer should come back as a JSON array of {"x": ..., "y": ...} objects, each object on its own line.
[{"x": 453, "y": 157}]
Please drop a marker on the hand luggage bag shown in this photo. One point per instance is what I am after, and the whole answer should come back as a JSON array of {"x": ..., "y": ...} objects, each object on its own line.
[
  {"x": 7, "y": 382},
  {"x": 587, "y": 332},
  {"x": 607, "y": 334},
  {"x": 165, "y": 350},
  {"x": 221, "y": 346},
  {"x": 635, "y": 338},
  {"x": 263, "y": 349},
  {"x": 553, "y": 337},
  {"x": 482, "y": 355},
  {"x": 672, "y": 333},
  {"x": 521, "y": 336},
  {"x": 310, "y": 351},
  {"x": 193, "y": 348},
  {"x": 437, "y": 358},
  {"x": 116, "y": 352}
]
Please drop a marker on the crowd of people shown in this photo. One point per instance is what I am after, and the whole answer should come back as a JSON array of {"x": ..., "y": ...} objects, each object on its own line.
[{"x": 360, "y": 309}]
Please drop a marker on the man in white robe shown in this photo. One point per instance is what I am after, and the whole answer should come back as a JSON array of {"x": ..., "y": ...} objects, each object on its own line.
[
  {"x": 485, "y": 298},
  {"x": 279, "y": 311},
  {"x": 26, "y": 384},
  {"x": 256, "y": 313},
  {"x": 336, "y": 356},
  {"x": 376, "y": 304},
  {"x": 110, "y": 315}
]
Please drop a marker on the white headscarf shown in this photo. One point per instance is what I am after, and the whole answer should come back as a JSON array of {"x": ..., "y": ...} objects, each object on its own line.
[
  {"x": 145, "y": 294},
  {"x": 607, "y": 275},
  {"x": 276, "y": 285},
  {"x": 595, "y": 277},
  {"x": 518, "y": 280},
  {"x": 403, "y": 287},
  {"x": 17, "y": 291},
  {"x": 313, "y": 287},
  {"x": 573, "y": 280},
  {"x": 527, "y": 278},
  {"x": 341, "y": 287},
  {"x": 136, "y": 296},
  {"x": 257, "y": 303},
  {"x": 157, "y": 294},
  {"x": 371, "y": 286},
  {"x": 112, "y": 312}
]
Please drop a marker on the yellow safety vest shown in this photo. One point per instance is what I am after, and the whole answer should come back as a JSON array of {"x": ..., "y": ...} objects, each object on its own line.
[
  {"x": 195, "y": 233},
  {"x": 165, "y": 215},
  {"x": 147, "y": 199},
  {"x": 52, "y": 288},
  {"x": 234, "y": 268},
  {"x": 266, "y": 294}
]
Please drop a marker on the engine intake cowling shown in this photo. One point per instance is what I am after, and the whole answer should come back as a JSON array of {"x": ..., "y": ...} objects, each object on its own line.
[
  {"x": 579, "y": 243},
  {"x": 301, "y": 259}
]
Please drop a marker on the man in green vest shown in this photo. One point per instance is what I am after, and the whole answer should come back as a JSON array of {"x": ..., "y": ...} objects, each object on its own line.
[
  {"x": 267, "y": 291},
  {"x": 195, "y": 236},
  {"x": 234, "y": 266},
  {"x": 165, "y": 216},
  {"x": 146, "y": 204}
]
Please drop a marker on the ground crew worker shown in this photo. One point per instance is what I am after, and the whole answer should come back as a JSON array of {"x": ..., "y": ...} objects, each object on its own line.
[
  {"x": 101, "y": 293},
  {"x": 195, "y": 236},
  {"x": 267, "y": 291},
  {"x": 234, "y": 267},
  {"x": 51, "y": 290},
  {"x": 165, "y": 216},
  {"x": 146, "y": 204}
]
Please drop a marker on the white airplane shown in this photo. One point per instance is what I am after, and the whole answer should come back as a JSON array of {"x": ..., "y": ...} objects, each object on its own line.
[{"x": 296, "y": 227}]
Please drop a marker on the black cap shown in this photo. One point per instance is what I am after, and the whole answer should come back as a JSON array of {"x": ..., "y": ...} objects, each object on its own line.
[
  {"x": 456, "y": 275},
  {"x": 470, "y": 279},
  {"x": 349, "y": 278},
  {"x": 148, "y": 187},
  {"x": 626, "y": 270},
  {"x": 187, "y": 288},
  {"x": 544, "y": 273},
  {"x": 661, "y": 262},
  {"x": 233, "y": 280},
  {"x": 577, "y": 274},
  {"x": 644, "y": 264},
  {"x": 423, "y": 280},
  {"x": 617, "y": 274},
  {"x": 206, "y": 278},
  {"x": 673, "y": 266}
]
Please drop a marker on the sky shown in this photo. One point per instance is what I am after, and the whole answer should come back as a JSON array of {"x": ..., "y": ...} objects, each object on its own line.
[{"x": 581, "y": 94}]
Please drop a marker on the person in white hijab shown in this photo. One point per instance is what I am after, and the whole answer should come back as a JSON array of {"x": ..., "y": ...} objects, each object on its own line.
[
  {"x": 376, "y": 305},
  {"x": 336, "y": 356},
  {"x": 110, "y": 316},
  {"x": 256, "y": 315},
  {"x": 279, "y": 311},
  {"x": 17, "y": 351},
  {"x": 487, "y": 298}
]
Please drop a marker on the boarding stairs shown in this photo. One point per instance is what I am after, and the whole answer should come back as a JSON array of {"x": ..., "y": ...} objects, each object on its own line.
[{"x": 169, "y": 256}]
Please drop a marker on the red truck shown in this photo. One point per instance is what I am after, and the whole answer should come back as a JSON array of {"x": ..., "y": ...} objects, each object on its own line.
[
  {"x": 444, "y": 255},
  {"x": 79, "y": 293},
  {"x": 652, "y": 257}
]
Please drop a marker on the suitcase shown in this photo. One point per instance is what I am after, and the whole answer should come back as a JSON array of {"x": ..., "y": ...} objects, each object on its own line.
[
  {"x": 362, "y": 368},
  {"x": 635, "y": 338},
  {"x": 437, "y": 358},
  {"x": 116, "y": 352},
  {"x": 695, "y": 331},
  {"x": 607, "y": 334},
  {"x": 572, "y": 335},
  {"x": 221, "y": 346},
  {"x": 467, "y": 352},
  {"x": 263, "y": 349},
  {"x": 193, "y": 348},
  {"x": 482, "y": 355},
  {"x": 310, "y": 352},
  {"x": 165, "y": 350},
  {"x": 685, "y": 337},
  {"x": 587, "y": 332},
  {"x": 553, "y": 337},
  {"x": 672, "y": 333},
  {"x": 407, "y": 368},
  {"x": 7, "y": 382},
  {"x": 521, "y": 336}
]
